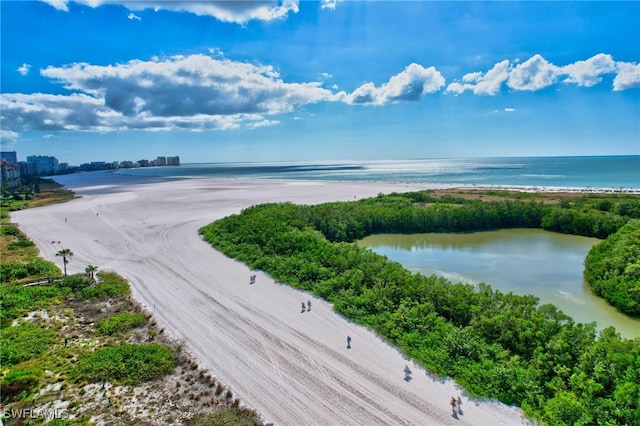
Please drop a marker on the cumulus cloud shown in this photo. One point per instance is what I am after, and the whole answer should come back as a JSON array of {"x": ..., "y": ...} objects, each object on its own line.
[
  {"x": 483, "y": 84},
  {"x": 589, "y": 73},
  {"x": 533, "y": 74},
  {"x": 239, "y": 12},
  {"x": 627, "y": 77},
  {"x": 132, "y": 16},
  {"x": 191, "y": 92},
  {"x": 412, "y": 84},
  {"x": 24, "y": 69},
  {"x": 537, "y": 73}
]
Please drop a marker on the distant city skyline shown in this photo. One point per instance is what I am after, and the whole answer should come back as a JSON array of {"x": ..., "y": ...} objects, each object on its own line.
[{"x": 92, "y": 80}]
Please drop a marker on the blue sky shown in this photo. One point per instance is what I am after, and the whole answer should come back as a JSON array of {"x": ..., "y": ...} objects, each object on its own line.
[{"x": 97, "y": 80}]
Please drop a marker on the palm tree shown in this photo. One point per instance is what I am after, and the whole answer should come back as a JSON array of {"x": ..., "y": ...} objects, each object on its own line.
[
  {"x": 66, "y": 256},
  {"x": 91, "y": 271}
]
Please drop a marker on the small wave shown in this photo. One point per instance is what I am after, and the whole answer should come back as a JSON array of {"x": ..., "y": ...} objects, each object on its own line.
[{"x": 541, "y": 176}]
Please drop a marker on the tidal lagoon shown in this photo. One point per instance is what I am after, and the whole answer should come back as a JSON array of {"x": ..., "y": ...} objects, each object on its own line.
[{"x": 545, "y": 264}]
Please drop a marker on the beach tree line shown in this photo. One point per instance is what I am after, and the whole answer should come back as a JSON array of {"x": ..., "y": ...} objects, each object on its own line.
[
  {"x": 613, "y": 268},
  {"x": 496, "y": 345}
]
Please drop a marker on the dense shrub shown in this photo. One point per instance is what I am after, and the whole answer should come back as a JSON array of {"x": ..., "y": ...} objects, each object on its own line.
[
  {"x": 227, "y": 417},
  {"x": 9, "y": 230},
  {"x": 36, "y": 268},
  {"x": 18, "y": 300},
  {"x": 125, "y": 364},
  {"x": 74, "y": 282},
  {"x": 612, "y": 267},
  {"x": 18, "y": 381},
  {"x": 112, "y": 285},
  {"x": 24, "y": 341},
  {"x": 120, "y": 322}
]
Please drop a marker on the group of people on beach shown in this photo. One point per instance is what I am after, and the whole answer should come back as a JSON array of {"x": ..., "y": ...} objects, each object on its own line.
[
  {"x": 306, "y": 307},
  {"x": 252, "y": 279},
  {"x": 456, "y": 405}
]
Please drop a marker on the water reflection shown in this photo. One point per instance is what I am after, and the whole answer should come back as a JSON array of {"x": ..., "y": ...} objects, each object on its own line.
[{"x": 523, "y": 261}]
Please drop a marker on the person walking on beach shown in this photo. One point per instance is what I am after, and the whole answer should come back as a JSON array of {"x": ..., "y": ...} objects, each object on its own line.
[
  {"x": 453, "y": 404},
  {"x": 309, "y": 305},
  {"x": 348, "y": 342},
  {"x": 407, "y": 373},
  {"x": 304, "y": 308}
]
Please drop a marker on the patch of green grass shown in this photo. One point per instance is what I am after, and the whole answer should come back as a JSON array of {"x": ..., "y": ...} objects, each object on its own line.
[
  {"x": 120, "y": 322},
  {"x": 125, "y": 364},
  {"x": 23, "y": 342}
]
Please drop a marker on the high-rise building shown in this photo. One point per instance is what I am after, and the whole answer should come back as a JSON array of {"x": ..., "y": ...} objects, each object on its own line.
[
  {"x": 9, "y": 157},
  {"x": 173, "y": 161},
  {"x": 44, "y": 164},
  {"x": 9, "y": 174},
  {"x": 27, "y": 169}
]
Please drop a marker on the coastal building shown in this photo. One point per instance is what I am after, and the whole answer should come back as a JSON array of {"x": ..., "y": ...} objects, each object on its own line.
[
  {"x": 9, "y": 174},
  {"x": 44, "y": 164},
  {"x": 27, "y": 169},
  {"x": 161, "y": 161},
  {"x": 173, "y": 161},
  {"x": 9, "y": 157}
]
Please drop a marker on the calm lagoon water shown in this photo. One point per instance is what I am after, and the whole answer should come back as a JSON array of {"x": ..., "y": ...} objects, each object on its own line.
[{"x": 545, "y": 264}]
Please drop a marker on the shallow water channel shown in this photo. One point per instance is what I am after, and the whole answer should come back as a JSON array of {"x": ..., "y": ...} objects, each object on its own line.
[{"x": 545, "y": 264}]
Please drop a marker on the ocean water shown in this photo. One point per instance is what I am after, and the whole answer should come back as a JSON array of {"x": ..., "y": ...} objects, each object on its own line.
[{"x": 611, "y": 172}]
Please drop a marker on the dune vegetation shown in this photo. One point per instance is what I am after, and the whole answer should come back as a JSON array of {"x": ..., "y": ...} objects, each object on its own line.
[
  {"x": 81, "y": 349},
  {"x": 496, "y": 345}
]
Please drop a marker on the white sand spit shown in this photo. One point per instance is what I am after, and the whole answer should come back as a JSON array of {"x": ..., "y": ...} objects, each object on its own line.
[{"x": 294, "y": 368}]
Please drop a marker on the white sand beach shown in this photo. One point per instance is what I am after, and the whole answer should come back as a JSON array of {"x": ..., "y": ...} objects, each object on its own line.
[{"x": 293, "y": 368}]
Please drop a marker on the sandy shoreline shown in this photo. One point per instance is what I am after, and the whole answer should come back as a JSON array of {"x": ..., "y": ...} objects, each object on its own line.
[{"x": 291, "y": 367}]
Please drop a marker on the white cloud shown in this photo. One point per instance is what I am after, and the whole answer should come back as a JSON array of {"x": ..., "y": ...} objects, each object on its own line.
[
  {"x": 24, "y": 69},
  {"x": 412, "y": 84},
  {"x": 534, "y": 74},
  {"x": 8, "y": 138},
  {"x": 537, "y": 73},
  {"x": 192, "y": 92},
  {"x": 588, "y": 73},
  {"x": 132, "y": 16},
  {"x": 263, "y": 123},
  {"x": 510, "y": 109},
  {"x": 627, "y": 77},
  {"x": 58, "y": 4},
  {"x": 239, "y": 12},
  {"x": 329, "y": 4},
  {"x": 483, "y": 84}
]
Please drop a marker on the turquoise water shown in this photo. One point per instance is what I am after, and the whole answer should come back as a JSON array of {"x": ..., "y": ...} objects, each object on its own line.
[{"x": 575, "y": 172}]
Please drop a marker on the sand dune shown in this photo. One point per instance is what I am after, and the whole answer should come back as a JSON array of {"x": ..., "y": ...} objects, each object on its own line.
[{"x": 292, "y": 367}]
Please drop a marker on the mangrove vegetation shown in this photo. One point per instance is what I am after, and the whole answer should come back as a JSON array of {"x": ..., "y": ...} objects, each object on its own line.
[{"x": 496, "y": 345}]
